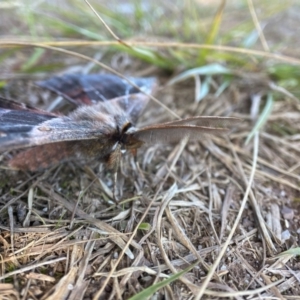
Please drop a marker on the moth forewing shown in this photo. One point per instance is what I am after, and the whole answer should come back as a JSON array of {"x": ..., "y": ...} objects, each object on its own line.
[
  {"x": 21, "y": 107},
  {"x": 93, "y": 88}
]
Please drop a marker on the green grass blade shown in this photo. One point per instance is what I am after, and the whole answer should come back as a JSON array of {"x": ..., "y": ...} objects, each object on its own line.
[
  {"x": 148, "y": 292},
  {"x": 211, "y": 69},
  {"x": 226, "y": 83},
  {"x": 67, "y": 28},
  {"x": 250, "y": 40},
  {"x": 145, "y": 226},
  {"x": 216, "y": 24},
  {"x": 148, "y": 55},
  {"x": 33, "y": 60},
  {"x": 262, "y": 118},
  {"x": 213, "y": 32},
  {"x": 293, "y": 251},
  {"x": 204, "y": 90}
]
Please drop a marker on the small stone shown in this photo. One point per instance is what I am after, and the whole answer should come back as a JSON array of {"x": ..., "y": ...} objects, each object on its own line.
[
  {"x": 287, "y": 213},
  {"x": 223, "y": 268},
  {"x": 285, "y": 235}
]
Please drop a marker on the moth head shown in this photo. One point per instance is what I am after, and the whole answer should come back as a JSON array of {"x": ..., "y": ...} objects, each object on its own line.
[{"x": 127, "y": 140}]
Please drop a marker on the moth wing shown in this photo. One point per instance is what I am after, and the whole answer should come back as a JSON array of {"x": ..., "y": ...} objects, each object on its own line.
[
  {"x": 14, "y": 105},
  {"x": 46, "y": 155},
  {"x": 207, "y": 121},
  {"x": 82, "y": 89},
  {"x": 169, "y": 134},
  {"x": 16, "y": 117},
  {"x": 132, "y": 105},
  {"x": 43, "y": 156},
  {"x": 51, "y": 131}
]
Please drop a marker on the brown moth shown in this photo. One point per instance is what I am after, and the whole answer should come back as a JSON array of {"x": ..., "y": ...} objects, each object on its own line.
[{"x": 100, "y": 130}]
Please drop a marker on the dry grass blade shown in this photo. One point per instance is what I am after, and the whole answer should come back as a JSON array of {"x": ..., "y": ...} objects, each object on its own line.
[
  {"x": 106, "y": 26},
  {"x": 132, "y": 43},
  {"x": 132, "y": 270},
  {"x": 257, "y": 26},
  {"x": 225, "y": 209},
  {"x": 41, "y": 277}
]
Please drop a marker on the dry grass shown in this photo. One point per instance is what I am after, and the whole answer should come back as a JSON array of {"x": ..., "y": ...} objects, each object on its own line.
[{"x": 232, "y": 207}]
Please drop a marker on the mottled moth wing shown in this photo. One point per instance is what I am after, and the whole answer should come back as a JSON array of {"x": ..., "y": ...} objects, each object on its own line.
[
  {"x": 43, "y": 156},
  {"x": 82, "y": 89},
  {"x": 17, "y": 119},
  {"x": 11, "y": 104}
]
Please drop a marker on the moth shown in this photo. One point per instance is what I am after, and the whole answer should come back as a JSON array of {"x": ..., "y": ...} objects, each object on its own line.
[{"x": 102, "y": 127}]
